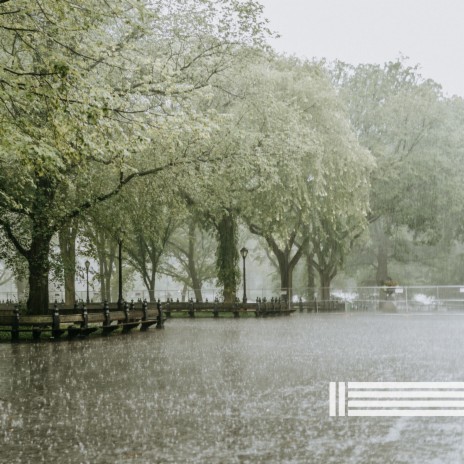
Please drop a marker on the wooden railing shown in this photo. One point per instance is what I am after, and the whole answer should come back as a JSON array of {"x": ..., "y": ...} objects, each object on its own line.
[
  {"x": 259, "y": 308},
  {"x": 82, "y": 320}
]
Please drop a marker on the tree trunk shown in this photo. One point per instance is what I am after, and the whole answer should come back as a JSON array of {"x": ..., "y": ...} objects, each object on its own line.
[
  {"x": 382, "y": 264},
  {"x": 192, "y": 268},
  {"x": 149, "y": 281},
  {"x": 227, "y": 257},
  {"x": 287, "y": 264},
  {"x": 286, "y": 275},
  {"x": 184, "y": 293},
  {"x": 326, "y": 280},
  {"x": 113, "y": 286},
  {"x": 69, "y": 287},
  {"x": 67, "y": 240},
  {"x": 102, "y": 280},
  {"x": 151, "y": 290},
  {"x": 39, "y": 267},
  {"x": 380, "y": 238},
  {"x": 106, "y": 281}
]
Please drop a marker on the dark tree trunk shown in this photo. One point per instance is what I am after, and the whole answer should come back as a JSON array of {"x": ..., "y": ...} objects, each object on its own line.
[
  {"x": 326, "y": 281},
  {"x": 148, "y": 273},
  {"x": 39, "y": 267},
  {"x": 69, "y": 287},
  {"x": 286, "y": 273},
  {"x": 287, "y": 264},
  {"x": 38, "y": 254},
  {"x": 198, "y": 294},
  {"x": 149, "y": 280},
  {"x": 327, "y": 267},
  {"x": 382, "y": 264},
  {"x": 192, "y": 268},
  {"x": 151, "y": 290},
  {"x": 67, "y": 240},
  {"x": 227, "y": 256},
  {"x": 38, "y": 300},
  {"x": 102, "y": 280},
  {"x": 380, "y": 238}
]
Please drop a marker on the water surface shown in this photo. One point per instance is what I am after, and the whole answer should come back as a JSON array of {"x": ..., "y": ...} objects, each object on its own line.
[{"x": 228, "y": 391}]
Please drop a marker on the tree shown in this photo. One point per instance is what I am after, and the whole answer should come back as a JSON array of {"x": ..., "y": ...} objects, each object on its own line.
[
  {"x": 99, "y": 232},
  {"x": 316, "y": 171},
  {"x": 151, "y": 214},
  {"x": 399, "y": 117},
  {"x": 190, "y": 260},
  {"x": 227, "y": 255},
  {"x": 89, "y": 88}
]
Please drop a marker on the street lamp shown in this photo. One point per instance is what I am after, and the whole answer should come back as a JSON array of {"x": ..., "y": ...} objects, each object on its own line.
[
  {"x": 87, "y": 266},
  {"x": 244, "y": 253}
]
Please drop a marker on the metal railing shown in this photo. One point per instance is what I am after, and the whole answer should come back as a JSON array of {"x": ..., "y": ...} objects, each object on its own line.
[
  {"x": 416, "y": 298},
  {"x": 424, "y": 298}
]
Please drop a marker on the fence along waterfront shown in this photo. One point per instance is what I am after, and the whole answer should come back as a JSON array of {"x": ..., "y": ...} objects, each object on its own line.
[{"x": 404, "y": 298}]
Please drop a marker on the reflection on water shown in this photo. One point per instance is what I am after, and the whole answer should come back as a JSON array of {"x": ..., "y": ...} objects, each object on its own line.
[{"x": 228, "y": 391}]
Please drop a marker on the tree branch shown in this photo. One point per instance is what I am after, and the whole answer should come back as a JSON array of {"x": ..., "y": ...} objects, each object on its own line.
[
  {"x": 37, "y": 74},
  {"x": 9, "y": 233},
  {"x": 123, "y": 181},
  {"x": 254, "y": 229},
  {"x": 299, "y": 253},
  {"x": 19, "y": 29},
  {"x": 9, "y": 12}
]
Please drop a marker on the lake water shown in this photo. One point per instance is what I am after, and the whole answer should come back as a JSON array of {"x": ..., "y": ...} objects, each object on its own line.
[{"x": 228, "y": 391}]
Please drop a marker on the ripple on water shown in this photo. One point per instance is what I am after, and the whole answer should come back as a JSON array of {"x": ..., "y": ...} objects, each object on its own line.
[{"x": 227, "y": 391}]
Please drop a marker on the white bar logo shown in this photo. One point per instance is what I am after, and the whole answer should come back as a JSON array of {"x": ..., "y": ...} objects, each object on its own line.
[{"x": 382, "y": 399}]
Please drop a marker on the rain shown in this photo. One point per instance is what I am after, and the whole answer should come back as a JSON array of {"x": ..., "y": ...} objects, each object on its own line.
[{"x": 230, "y": 232}]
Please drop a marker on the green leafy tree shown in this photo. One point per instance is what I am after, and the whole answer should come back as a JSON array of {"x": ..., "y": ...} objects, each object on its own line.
[
  {"x": 88, "y": 88},
  {"x": 151, "y": 213},
  {"x": 316, "y": 183},
  {"x": 400, "y": 117}
]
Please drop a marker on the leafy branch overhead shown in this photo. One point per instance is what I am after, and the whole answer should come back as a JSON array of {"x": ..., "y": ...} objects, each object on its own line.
[{"x": 99, "y": 89}]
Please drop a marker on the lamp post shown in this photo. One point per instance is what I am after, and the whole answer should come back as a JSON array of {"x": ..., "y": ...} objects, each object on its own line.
[
  {"x": 120, "y": 239},
  {"x": 87, "y": 266},
  {"x": 244, "y": 253}
]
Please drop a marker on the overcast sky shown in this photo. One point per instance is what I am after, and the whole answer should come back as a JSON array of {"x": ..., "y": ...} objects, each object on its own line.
[{"x": 428, "y": 32}]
